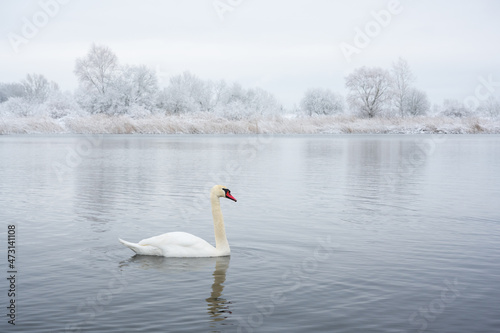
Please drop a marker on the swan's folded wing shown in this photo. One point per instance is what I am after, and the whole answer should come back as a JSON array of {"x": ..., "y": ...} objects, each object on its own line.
[{"x": 180, "y": 244}]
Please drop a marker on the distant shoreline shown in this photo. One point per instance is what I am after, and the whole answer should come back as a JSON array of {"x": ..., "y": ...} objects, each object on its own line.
[{"x": 210, "y": 124}]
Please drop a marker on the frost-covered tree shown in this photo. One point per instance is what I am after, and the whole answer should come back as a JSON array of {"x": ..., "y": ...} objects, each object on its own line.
[
  {"x": 219, "y": 91},
  {"x": 489, "y": 107},
  {"x": 261, "y": 102},
  {"x": 402, "y": 80},
  {"x": 233, "y": 102},
  {"x": 60, "y": 104},
  {"x": 321, "y": 102},
  {"x": 97, "y": 73},
  {"x": 37, "y": 88},
  {"x": 16, "y": 106},
  {"x": 416, "y": 102},
  {"x": 8, "y": 90},
  {"x": 98, "y": 69},
  {"x": 186, "y": 93},
  {"x": 369, "y": 91},
  {"x": 30, "y": 97},
  {"x": 106, "y": 87},
  {"x": 239, "y": 103},
  {"x": 454, "y": 108},
  {"x": 137, "y": 86}
]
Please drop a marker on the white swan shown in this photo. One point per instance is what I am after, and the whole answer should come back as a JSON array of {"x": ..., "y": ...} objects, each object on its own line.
[{"x": 182, "y": 244}]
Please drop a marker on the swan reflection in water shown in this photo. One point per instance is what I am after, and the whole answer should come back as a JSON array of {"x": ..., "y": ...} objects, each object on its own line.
[{"x": 217, "y": 306}]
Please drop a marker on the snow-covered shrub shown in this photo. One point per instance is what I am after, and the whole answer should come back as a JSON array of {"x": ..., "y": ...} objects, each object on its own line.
[
  {"x": 454, "y": 108},
  {"x": 263, "y": 102},
  {"x": 243, "y": 104},
  {"x": 174, "y": 100},
  {"x": 8, "y": 90},
  {"x": 17, "y": 106},
  {"x": 186, "y": 93},
  {"x": 489, "y": 107},
  {"x": 234, "y": 110},
  {"x": 91, "y": 102},
  {"x": 138, "y": 111},
  {"x": 321, "y": 102},
  {"x": 137, "y": 86},
  {"x": 59, "y": 105},
  {"x": 110, "y": 103}
]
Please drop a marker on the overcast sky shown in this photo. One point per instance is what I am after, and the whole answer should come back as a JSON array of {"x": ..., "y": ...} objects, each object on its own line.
[{"x": 284, "y": 46}]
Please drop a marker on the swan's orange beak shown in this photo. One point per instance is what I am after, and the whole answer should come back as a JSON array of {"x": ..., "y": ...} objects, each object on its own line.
[{"x": 229, "y": 196}]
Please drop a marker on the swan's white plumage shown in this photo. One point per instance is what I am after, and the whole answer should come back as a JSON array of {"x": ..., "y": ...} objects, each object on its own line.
[
  {"x": 183, "y": 244},
  {"x": 144, "y": 250},
  {"x": 174, "y": 244}
]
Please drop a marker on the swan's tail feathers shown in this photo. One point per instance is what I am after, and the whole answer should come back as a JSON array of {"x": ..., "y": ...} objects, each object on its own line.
[{"x": 147, "y": 250}]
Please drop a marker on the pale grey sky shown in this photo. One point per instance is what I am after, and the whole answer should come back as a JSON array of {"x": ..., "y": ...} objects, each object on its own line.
[{"x": 284, "y": 46}]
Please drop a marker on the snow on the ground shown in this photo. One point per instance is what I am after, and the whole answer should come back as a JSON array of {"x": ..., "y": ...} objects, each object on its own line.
[{"x": 205, "y": 123}]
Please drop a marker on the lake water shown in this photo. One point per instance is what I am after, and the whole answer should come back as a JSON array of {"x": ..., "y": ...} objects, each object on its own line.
[{"x": 330, "y": 233}]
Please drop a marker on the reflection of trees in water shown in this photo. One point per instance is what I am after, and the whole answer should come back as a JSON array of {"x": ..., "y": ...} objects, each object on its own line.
[{"x": 374, "y": 177}]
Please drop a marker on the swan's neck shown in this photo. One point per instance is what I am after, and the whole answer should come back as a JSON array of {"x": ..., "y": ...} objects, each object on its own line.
[{"x": 221, "y": 243}]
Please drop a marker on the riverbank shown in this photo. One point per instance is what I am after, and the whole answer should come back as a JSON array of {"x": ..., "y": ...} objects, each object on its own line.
[{"x": 211, "y": 124}]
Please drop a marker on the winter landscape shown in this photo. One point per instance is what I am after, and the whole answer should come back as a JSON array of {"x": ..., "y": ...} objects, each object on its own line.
[
  {"x": 125, "y": 99},
  {"x": 234, "y": 166}
]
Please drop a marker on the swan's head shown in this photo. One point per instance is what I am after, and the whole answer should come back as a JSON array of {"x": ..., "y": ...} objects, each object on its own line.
[{"x": 222, "y": 192}]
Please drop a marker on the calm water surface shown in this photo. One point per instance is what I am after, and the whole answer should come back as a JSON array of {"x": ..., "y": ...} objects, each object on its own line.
[{"x": 329, "y": 234}]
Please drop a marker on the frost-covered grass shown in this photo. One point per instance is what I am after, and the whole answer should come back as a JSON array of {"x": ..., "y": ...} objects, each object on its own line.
[{"x": 207, "y": 123}]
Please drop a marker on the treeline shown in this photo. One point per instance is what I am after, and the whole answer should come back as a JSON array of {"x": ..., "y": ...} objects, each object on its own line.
[
  {"x": 377, "y": 92},
  {"x": 106, "y": 87},
  {"x": 109, "y": 88}
]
